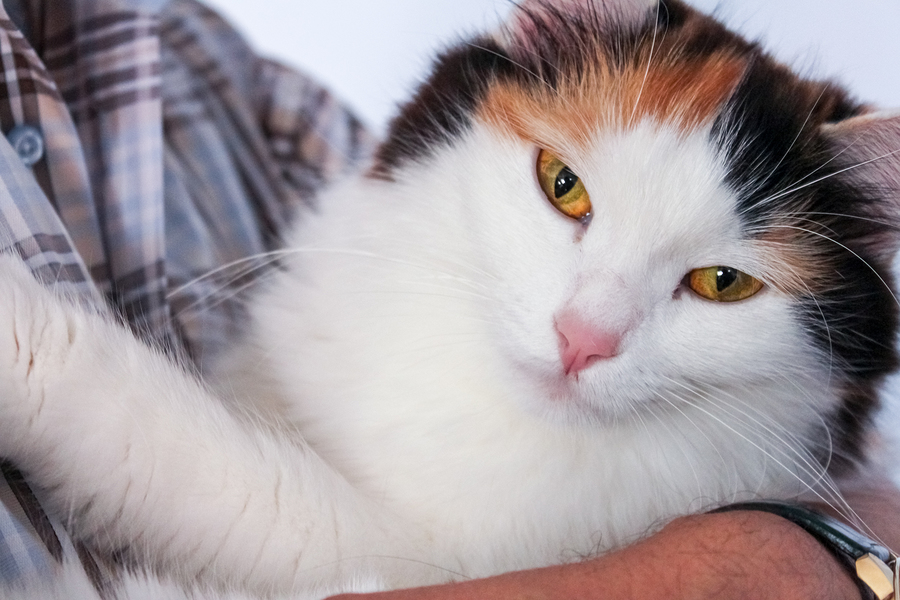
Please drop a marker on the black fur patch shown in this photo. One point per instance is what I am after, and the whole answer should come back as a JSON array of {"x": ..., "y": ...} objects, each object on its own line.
[
  {"x": 670, "y": 15},
  {"x": 786, "y": 176},
  {"x": 442, "y": 107}
]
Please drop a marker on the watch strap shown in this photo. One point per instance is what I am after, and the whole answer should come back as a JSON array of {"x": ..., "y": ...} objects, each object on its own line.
[{"x": 874, "y": 566}]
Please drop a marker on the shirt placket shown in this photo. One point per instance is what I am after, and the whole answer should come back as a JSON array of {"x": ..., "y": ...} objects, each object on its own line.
[
  {"x": 37, "y": 123},
  {"x": 105, "y": 59}
]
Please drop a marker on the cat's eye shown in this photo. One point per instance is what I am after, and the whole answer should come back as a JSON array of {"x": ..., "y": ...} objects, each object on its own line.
[
  {"x": 723, "y": 284},
  {"x": 562, "y": 187}
]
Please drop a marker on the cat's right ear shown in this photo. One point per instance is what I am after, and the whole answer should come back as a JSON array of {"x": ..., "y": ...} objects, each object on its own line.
[{"x": 868, "y": 147}]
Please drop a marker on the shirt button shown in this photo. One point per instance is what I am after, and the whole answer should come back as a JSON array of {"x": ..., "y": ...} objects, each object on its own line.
[{"x": 28, "y": 143}]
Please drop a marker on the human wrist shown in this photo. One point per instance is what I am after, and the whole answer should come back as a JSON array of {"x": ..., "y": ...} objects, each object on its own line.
[{"x": 754, "y": 554}]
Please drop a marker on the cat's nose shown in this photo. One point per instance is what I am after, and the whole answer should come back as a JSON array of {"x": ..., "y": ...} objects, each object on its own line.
[{"x": 581, "y": 344}]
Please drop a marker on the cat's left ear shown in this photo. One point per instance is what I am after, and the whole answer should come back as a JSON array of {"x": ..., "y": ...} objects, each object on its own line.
[
  {"x": 611, "y": 7},
  {"x": 620, "y": 12},
  {"x": 868, "y": 147}
]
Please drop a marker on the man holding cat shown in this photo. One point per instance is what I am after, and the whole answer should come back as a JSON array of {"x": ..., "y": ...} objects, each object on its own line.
[{"x": 221, "y": 147}]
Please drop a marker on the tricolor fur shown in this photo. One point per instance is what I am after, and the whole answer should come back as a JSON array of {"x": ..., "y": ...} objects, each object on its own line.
[
  {"x": 399, "y": 411},
  {"x": 557, "y": 84}
]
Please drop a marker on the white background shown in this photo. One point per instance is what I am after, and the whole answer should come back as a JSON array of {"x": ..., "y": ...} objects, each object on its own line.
[{"x": 372, "y": 52}]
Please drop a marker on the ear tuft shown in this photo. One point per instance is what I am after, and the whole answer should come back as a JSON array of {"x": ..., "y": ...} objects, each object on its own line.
[
  {"x": 624, "y": 14},
  {"x": 868, "y": 148},
  {"x": 870, "y": 144}
]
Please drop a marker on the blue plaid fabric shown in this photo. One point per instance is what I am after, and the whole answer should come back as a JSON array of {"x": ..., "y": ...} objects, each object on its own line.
[{"x": 147, "y": 153}]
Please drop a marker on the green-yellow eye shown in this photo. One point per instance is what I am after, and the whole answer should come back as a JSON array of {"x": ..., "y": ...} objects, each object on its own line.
[
  {"x": 723, "y": 284},
  {"x": 562, "y": 187}
]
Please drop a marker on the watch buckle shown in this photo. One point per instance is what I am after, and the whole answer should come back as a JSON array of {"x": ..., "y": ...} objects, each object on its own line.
[{"x": 878, "y": 576}]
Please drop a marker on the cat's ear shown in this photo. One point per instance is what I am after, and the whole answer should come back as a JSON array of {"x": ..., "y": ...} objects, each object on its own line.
[
  {"x": 868, "y": 148},
  {"x": 527, "y": 13},
  {"x": 599, "y": 7}
]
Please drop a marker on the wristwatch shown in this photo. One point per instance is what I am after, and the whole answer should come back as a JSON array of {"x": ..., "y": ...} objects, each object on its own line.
[{"x": 875, "y": 567}]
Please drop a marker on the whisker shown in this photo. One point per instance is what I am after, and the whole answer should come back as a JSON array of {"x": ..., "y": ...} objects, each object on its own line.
[
  {"x": 834, "y": 158},
  {"x": 216, "y": 298},
  {"x": 661, "y": 419},
  {"x": 514, "y": 63},
  {"x": 797, "y": 188},
  {"x": 268, "y": 256},
  {"x": 698, "y": 428},
  {"x": 824, "y": 323},
  {"x": 772, "y": 171},
  {"x": 800, "y": 131},
  {"x": 835, "y": 499},
  {"x": 263, "y": 260},
  {"x": 700, "y": 395},
  {"x": 866, "y": 219},
  {"x": 837, "y": 243},
  {"x": 791, "y": 447}
]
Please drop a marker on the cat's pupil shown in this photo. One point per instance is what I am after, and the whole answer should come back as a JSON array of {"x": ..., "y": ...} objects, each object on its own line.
[
  {"x": 565, "y": 181},
  {"x": 725, "y": 276}
]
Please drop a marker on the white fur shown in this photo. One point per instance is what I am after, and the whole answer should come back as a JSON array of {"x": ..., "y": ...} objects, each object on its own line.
[
  {"x": 69, "y": 582},
  {"x": 410, "y": 342}
]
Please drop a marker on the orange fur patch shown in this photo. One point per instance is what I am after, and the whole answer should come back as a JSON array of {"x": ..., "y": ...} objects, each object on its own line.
[
  {"x": 785, "y": 265},
  {"x": 685, "y": 94}
]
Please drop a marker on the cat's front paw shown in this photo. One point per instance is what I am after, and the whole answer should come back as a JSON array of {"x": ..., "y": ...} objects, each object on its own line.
[{"x": 36, "y": 338}]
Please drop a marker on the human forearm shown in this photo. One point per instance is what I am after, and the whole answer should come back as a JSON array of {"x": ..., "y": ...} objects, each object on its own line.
[{"x": 736, "y": 555}]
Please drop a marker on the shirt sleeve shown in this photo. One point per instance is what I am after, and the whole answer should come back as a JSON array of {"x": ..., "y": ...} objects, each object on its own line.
[
  {"x": 248, "y": 145},
  {"x": 151, "y": 160}
]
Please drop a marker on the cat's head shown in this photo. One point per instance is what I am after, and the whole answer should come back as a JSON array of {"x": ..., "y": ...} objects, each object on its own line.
[{"x": 672, "y": 219}]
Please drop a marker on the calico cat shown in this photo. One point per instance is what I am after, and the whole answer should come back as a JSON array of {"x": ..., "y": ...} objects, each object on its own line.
[{"x": 613, "y": 264}]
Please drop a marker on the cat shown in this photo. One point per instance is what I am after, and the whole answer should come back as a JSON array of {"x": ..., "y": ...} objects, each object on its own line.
[{"x": 613, "y": 264}]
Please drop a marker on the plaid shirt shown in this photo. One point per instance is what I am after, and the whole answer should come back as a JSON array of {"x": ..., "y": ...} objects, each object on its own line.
[{"x": 147, "y": 152}]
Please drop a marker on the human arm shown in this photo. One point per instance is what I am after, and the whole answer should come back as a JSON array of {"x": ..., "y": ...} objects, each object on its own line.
[
  {"x": 735, "y": 555},
  {"x": 729, "y": 555}
]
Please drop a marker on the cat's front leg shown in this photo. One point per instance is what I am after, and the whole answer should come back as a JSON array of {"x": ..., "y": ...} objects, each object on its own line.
[{"x": 142, "y": 458}]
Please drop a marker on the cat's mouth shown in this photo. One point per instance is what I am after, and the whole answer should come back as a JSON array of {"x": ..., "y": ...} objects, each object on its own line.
[
  {"x": 598, "y": 394},
  {"x": 608, "y": 392}
]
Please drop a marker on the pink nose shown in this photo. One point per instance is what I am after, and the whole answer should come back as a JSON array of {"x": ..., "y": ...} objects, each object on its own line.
[{"x": 582, "y": 344}]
